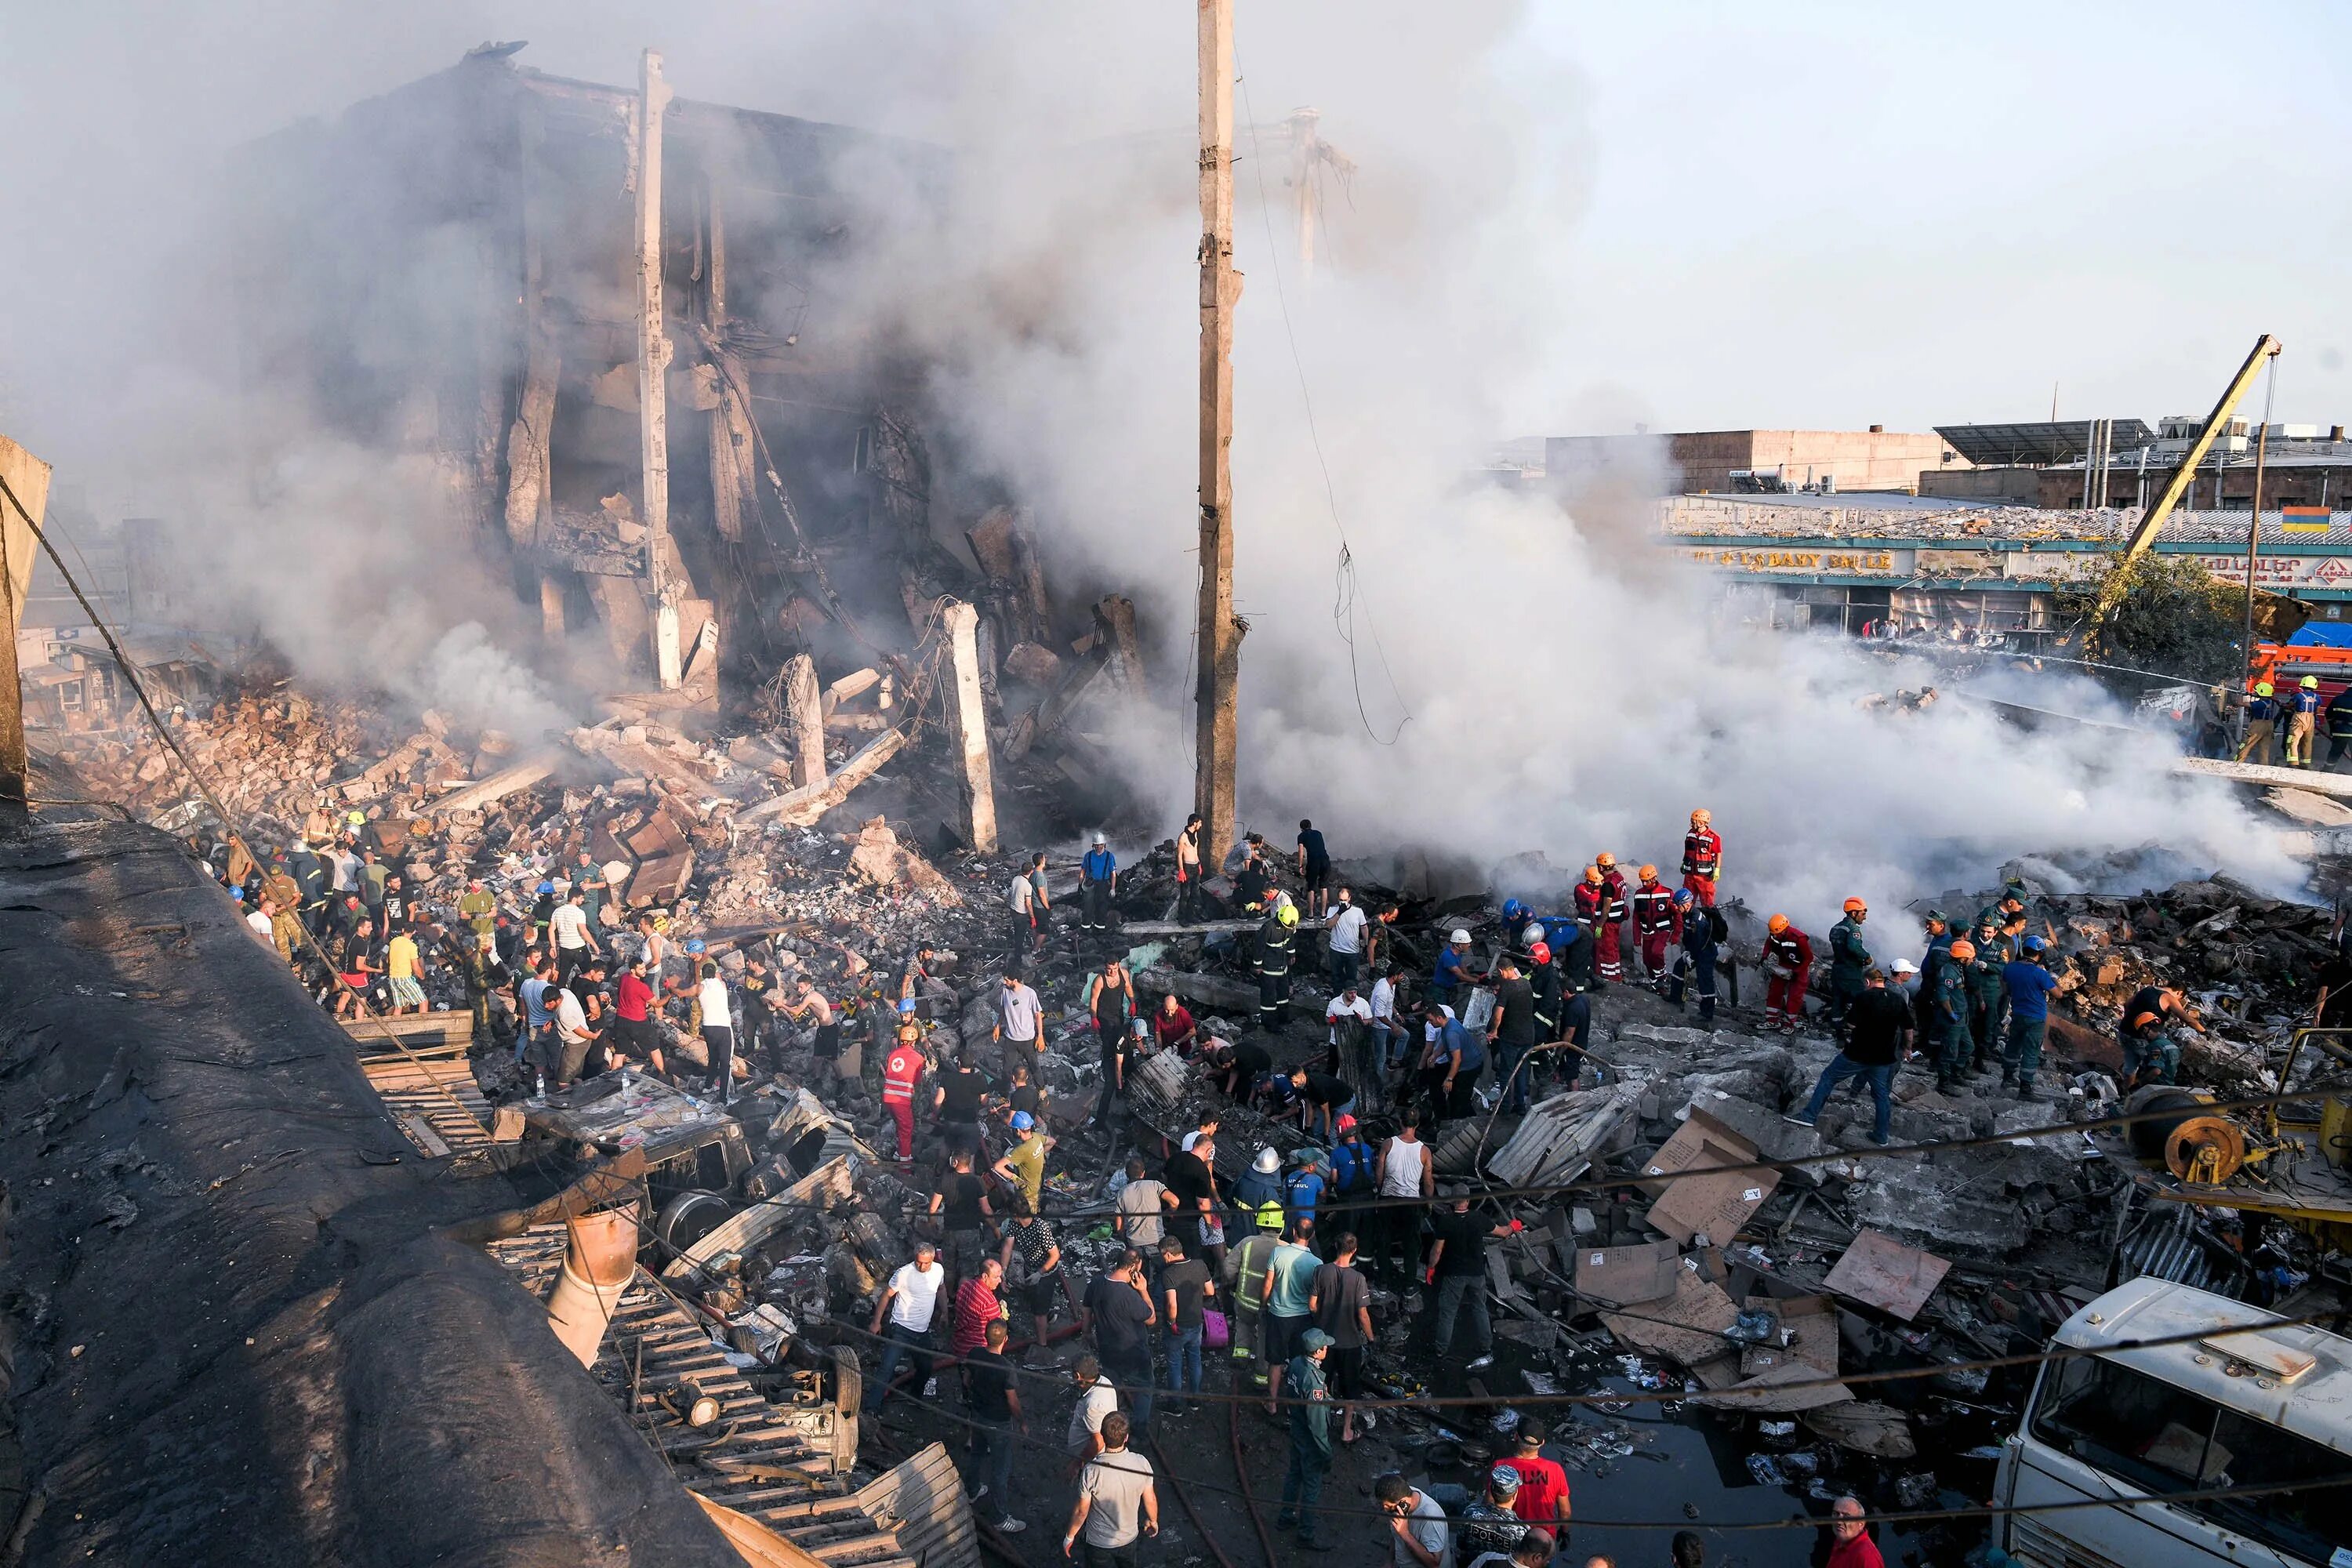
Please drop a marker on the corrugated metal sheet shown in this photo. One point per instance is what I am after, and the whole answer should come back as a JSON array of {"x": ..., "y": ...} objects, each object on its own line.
[{"x": 783, "y": 1465}]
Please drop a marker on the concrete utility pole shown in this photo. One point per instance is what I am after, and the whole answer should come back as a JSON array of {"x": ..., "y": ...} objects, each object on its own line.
[
  {"x": 28, "y": 485},
  {"x": 968, "y": 726},
  {"x": 653, "y": 367},
  {"x": 1217, "y": 698}
]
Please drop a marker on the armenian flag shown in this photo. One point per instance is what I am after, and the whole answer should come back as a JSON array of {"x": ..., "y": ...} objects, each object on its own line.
[{"x": 2303, "y": 519}]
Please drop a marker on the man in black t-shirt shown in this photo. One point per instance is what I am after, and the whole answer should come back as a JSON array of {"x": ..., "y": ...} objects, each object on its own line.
[
  {"x": 1239, "y": 1066},
  {"x": 1322, "y": 1101},
  {"x": 956, "y": 1102},
  {"x": 1341, "y": 1301},
  {"x": 996, "y": 1415},
  {"x": 1184, "y": 1288},
  {"x": 1878, "y": 1030},
  {"x": 960, "y": 1202},
  {"x": 1118, "y": 1310},
  {"x": 1192, "y": 1179},
  {"x": 1457, "y": 1266}
]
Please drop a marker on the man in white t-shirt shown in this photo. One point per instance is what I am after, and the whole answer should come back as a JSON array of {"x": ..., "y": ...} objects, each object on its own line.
[
  {"x": 1347, "y": 941},
  {"x": 259, "y": 919},
  {"x": 573, "y": 938},
  {"x": 1385, "y": 1017},
  {"x": 1353, "y": 1048},
  {"x": 909, "y": 1303},
  {"x": 1098, "y": 1397}
]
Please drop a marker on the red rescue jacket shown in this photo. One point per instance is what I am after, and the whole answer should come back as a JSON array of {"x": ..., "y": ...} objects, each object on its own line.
[
  {"x": 1654, "y": 912},
  {"x": 901, "y": 1070},
  {"x": 1702, "y": 852},
  {"x": 1792, "y": 950}
]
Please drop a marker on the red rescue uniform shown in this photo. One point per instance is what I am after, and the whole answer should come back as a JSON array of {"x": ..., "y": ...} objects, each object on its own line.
[
  {"x": 901, "y": 1070},
  {"x": 1609, "y": 956},
  {"x": 1788, "y": 959},
  {"x": 1702, "y": 862},
  {"x": 1657, "y": 927}
]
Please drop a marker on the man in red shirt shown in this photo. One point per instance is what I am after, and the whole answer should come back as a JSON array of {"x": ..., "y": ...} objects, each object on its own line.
[
  {"x": 1850, "y": 1543},
  {"x": 977, "y": 1305},
  {"x": 633, "y": 1001},
  {"x": 901, "y": 1070},
  {"x": 1543, "y": 1484}
]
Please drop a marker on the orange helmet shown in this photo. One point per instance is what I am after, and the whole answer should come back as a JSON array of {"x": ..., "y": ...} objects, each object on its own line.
[
  {"x": 1777, "y": 925},
  {"x": 1964, "y": 950},
  {"x": 1604, "y": 859},
  {"x": 1592, "y": 873},
  {"x": 1856, "y": 906},
  {"x": 1701, "y": 818},
  {"x": 1649, "y": 873}
]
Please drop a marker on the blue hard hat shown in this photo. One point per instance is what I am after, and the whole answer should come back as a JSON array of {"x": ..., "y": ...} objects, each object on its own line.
[
  {"x": 1513, "y": 909},
  {"x": 1023, "y": 1121},
  {"x": 237, "y": 895},
  {"x": 695, "y": 944},
  {"x": 906, "y": 1003},
  {"x": 2034, "y": 944},
  {"x": 1685, "y": 895},
  {"x": 547, "y": 886}
]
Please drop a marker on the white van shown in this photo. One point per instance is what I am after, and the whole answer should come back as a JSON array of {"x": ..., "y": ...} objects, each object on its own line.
[{"x": 2243, "y": 1406}]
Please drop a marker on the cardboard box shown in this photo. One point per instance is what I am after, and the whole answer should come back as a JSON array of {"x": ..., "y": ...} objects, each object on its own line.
[
  {"x": 1713, "y": 1205},
  {"x": 1628, "y": 1276}
]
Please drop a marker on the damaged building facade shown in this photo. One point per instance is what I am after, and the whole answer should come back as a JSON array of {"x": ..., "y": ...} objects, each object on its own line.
[{"x": 601, "y": 312}]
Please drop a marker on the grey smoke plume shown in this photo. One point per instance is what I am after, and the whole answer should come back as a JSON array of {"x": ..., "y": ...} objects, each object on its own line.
[{"x": 1559, "y": 689}]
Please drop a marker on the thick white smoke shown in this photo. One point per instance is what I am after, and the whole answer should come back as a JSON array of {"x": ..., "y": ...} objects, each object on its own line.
[{"x": 1565, "y": 689}]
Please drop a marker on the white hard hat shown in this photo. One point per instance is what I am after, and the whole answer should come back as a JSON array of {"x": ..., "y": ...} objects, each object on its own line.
[
  {"x": 1905, "y": 966},
  {"x": 1267, "y": 1162},
  {"x": 1100, "y": 840},
  {"x": 1461, "y": 936}
]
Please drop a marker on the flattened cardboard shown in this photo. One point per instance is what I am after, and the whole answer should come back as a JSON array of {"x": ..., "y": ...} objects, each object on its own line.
[
  {"x": 1881, "y": 1272},
  {"x": 1628, "y": 1276},
  {"x": 1717, "y": 1205},
  {"x": 1811, "y": 1322},
  {"x": 1687, "y": 1328}
]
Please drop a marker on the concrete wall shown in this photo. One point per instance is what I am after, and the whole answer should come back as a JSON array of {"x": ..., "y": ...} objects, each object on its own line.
[
  {"x": 1856, "y": 459},
  {"x": 2020, "y": 487}
]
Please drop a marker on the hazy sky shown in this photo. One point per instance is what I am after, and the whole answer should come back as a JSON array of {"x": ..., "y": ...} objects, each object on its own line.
[{"x": 1801, "y": 213}]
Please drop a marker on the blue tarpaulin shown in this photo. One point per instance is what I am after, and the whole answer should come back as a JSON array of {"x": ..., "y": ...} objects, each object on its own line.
[{"x": 2322, "y": 634}]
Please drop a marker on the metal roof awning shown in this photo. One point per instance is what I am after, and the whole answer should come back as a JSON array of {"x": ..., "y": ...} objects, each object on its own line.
[{"x": 2037, "y": 445}]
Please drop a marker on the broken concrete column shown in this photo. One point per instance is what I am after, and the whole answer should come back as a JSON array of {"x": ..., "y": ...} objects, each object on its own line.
[
  {"x": 551, "y": 608},
  {"x": 968, "y": 724},
  {"x": 1115, "y": 621},
  {"x": 597, "y": 1267},
  {"x": 804, "y": 708}
]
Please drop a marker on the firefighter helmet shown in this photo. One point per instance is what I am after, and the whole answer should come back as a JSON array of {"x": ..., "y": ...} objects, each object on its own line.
[
  {"x": 2263, "y": 689},
  {"x": 1540, "y": 953},
  {"x": 1592, "y": 873},
  {"x": 1269, "y": 1216},
  {"x": 2310, "y": 683},
  {"x": 1964, "y": 950},
  {"x": 1777, "y": 925},
  {"x": 1649, "y": 873},
  {"x": 1604, "y": 859},
  {"x": 1288, "y": 914}
]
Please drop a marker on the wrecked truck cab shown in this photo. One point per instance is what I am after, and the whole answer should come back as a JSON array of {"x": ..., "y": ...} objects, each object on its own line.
[
  {"x": 696, "y": 1154},
  {"x": 2241, "y": 1398}
]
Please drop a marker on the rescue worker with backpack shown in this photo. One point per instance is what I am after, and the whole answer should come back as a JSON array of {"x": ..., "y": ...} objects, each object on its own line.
[
  {"x": 1245, "y": 1270},
  {"x": 1850, "y": 961},
  {"x": 1703, "y": 935}
]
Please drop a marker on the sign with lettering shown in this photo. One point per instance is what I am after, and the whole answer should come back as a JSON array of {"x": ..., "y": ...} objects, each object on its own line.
[
  {"x": 2283, "y": 571},
  {"x": 1824, "y": 563}
]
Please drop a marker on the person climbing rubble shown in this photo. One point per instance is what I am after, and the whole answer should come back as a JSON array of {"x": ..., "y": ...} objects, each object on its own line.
[
  {"x": 1788, "y": 962},
  {"x": 1314, "y": 863},
  {"x": 1878, "y": 1027},
  {"x": 2150, "y": 1054}
]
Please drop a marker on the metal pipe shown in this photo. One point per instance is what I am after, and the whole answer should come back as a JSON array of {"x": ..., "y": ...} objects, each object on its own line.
[{"x": 598, "y": 1264}]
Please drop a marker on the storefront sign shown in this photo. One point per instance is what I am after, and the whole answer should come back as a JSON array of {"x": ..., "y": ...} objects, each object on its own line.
[
  {"x": 1959, "y": 563},
  {"x": 1858, "y": 562},
  {"x": 2283, "y": 571}
]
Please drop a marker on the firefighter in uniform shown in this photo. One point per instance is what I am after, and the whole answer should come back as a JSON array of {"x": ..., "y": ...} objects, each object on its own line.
[
  {"x": 1702, "y": 858},
  {"x": 1591, "y": 900},
  {"x": 902, "y": 1069},
  {"x": 1788, "y": 960},
  {"x": 1695, "y": 967},
  {"x": 1987, "y": 994},
  {"x": 1276, "y": 934},
  {"x": 1657, "y": 926},
  {"x": 1931, "y": 963},
  {"x": 1849, "y": 959},
  {"x": 1544, "y": 979},
  {"x": 1955, "y": 1045}
]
